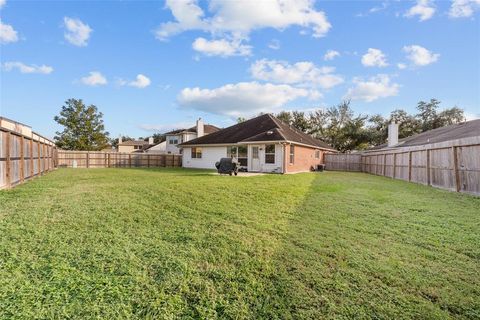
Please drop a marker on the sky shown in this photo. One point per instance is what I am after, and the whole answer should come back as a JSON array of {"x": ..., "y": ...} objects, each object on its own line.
[{"x": 151, "y": 66}]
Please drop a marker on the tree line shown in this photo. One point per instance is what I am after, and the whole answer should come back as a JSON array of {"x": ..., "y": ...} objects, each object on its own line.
[
  {"x": 344, "y": 130},
  {"x": 339, "y": 126}
]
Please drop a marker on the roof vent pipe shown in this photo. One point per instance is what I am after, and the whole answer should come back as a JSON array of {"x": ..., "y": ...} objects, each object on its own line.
[{"x": 393, "y": 134}]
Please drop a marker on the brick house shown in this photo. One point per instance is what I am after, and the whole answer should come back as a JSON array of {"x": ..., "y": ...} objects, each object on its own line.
[{"x": 261, "y": 144}]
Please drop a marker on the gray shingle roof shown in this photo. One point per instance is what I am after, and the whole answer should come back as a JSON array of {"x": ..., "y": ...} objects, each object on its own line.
[
  {"x": 262, "y": 128},
  {"x": 207, "y": 129},
  {"x": 453, "y": 132}
]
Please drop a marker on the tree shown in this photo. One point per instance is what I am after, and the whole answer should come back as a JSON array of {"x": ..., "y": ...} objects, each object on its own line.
[
  {"x": 83, "y": 127},
  {"x": 158, "y": 137},
  {"x": 409, "y": 125},
  {"x": 431, "y": 119},
  {"x": 300, "y": 121},
  {"x": 241, "y": 119},
  {"x": 450, "y": 116},
  {"x": 285, "y": 116},
  {"x": 428, "y": 114}
]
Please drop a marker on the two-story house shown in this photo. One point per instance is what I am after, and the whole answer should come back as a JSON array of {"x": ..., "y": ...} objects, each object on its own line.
[{"x": 176, "y": 137}]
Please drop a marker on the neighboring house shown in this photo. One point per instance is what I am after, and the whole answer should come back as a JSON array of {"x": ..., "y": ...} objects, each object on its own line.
[
  {"x": 176, "y": 137},
  {"x": 261, "y": 144},
  {"x": 158, "y": 148},
  {"x": 134, "y": 145},
  {"x": 457, "y": 134}
]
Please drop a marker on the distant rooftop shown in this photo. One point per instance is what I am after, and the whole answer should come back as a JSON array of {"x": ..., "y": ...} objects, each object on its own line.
[
  {"x": 453, "y": 132},
  {"x": 207, "y": 129}
]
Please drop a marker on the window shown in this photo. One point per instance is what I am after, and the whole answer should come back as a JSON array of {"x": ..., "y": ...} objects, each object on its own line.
[
  {"x": 240, "y": 153},
  {"x": 173, "y": 141},
  {"x": 317, "y": 154},
  {"x": 255, "y": 153},
  {"x": 196, "y": 153},
  {"x": 270, "y": 153},
  {"x": 292, "y": 153},
  {"x": 137, "y": 147}
]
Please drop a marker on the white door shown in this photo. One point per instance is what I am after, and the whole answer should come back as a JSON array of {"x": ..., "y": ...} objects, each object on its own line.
[{"x": 255, "y": 158}]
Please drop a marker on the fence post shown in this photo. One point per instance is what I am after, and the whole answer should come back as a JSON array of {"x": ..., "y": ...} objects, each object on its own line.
[
  {"x": 394, "y": 165},
  {"x": 148, "y": 160},
  {"x": 130, "y": 160},
  {"x": 44, "y": 157},
  {"x": 384, "y": 164},
  {"x": 410, "y": 166},
  {"x": 455, "y": 169},
  {"x": 88, "y": 160},
  {"x": 39, "y": 160},
  {"x": 427, "y": 166},
  {"x": 108, "y": 163},
  {"x": 22, "y": 159},
  {"x": 31, "y": 158},
  {"x": 7, "y": 164}
]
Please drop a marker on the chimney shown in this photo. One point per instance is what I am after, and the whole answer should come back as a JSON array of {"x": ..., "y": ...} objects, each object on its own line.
[
  {"x": 200, "y": 129},
  {"x": 120, "y": 139},
  {"x": 393, "y": 134},
  {"x": 150, "y": 140}
]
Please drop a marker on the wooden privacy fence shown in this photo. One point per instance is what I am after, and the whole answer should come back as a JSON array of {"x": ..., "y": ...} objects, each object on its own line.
[
  {"x": 454, "y": 167},
  {"x": 343, "y": 162},
  {"x": 98, "y": 159},
  {"x": 23, "y": 153}
]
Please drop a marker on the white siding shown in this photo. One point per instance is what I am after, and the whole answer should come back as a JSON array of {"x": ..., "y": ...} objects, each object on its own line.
[
  {"x": 159, "y": 148},
  {"x": 267, "y": 167},
  {"x": 210, "y": 155},
  {"x": 172, "y": 148}
]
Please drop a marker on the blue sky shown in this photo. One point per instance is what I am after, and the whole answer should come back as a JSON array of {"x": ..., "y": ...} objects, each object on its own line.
[{"x": 152, "y": 66}]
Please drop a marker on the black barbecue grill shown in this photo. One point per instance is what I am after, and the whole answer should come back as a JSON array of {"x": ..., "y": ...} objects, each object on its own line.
[{"x": 227, "y": 166}]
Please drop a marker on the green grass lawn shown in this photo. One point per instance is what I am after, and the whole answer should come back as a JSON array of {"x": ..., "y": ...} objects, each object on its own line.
[{"x": 174, "y": 243}]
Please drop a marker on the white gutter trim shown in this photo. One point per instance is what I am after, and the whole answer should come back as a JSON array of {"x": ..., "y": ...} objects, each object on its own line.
[{"x": 256, "y": 142}]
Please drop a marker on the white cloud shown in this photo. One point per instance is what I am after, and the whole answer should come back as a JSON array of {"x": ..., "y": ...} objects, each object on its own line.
[
  {"x": 303, "y": 73},
  {"x": 374, "y": 58},
  {"x": 244, "y": 98},
  {"x": 141, "y": 81},
  {"x": 330, "y": 55},
  {"x": 420, "y": 56},
  {"x": 7, "y": 33},
  {"x": 77, "y": 32},
  {"x": 243, "y": 16},
  {"x": 274, "y": 44},
  {"x": 463, "y": 8},
  {"x": 23, "y": 68},
  {"x": 236, "y": 19},
  {"x": 424, "y": 9},
  {"x": 372, "y": 89},
  {"x": 95, "y": 78},
  {"x": 401, "y": 66},
  {"x": 2, "y": 3},
  {"x": 222, "y": 47}
]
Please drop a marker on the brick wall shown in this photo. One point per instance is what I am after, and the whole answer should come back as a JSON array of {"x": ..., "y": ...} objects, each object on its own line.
[{"x": 304, "y": 159}]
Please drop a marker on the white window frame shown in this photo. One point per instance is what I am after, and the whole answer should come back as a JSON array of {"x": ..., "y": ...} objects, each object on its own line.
[
  {"x": 270, "y": 153},
  {"x": 194, "y": 153}
]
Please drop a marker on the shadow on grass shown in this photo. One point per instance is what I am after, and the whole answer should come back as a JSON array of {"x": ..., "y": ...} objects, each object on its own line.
[{"x": 348, "y": 254}]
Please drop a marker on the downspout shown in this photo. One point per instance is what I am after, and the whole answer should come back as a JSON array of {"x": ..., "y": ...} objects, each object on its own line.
[{"x": 284, "y": 169}]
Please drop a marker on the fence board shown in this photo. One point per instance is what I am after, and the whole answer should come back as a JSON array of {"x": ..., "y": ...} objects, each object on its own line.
[
  {"x": 455, "y": 167},
  {"x": 98, "y": 159},
  {"x": 19, "y": 153}
]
